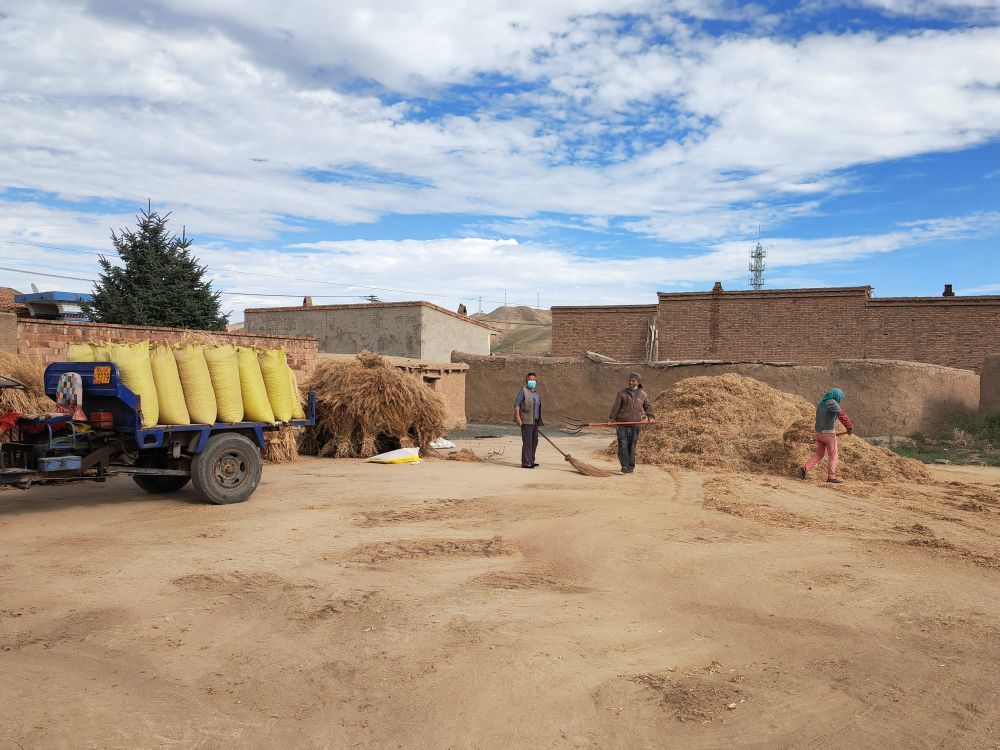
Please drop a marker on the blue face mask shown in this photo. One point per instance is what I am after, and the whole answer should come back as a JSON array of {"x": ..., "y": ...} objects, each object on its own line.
[{"x": 532, "y": 383}]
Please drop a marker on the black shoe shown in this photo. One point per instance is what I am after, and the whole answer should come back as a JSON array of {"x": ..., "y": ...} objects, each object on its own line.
[
  {"x": 802, "y": 472},
  {"x": 533, "y": 466},
  {"x": 527, "y": 467},
  {"x": 834, "y": 480}
]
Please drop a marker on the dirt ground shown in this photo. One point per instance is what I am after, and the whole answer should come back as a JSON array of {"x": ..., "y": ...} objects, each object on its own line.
[{"x": 482, "y": 605}]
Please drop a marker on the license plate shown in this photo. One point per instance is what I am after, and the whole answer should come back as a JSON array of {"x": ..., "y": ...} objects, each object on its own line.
[{"x": 102, "y": 375}]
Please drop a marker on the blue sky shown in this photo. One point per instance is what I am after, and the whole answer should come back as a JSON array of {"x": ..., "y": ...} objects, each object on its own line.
[{"x": 579, "y": 152}]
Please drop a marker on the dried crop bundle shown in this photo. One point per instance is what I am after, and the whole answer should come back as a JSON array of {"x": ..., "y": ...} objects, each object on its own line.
[
  {"x": 280, "y": 446},
  {"x": 31, "y": 400},
  {"x": 736, "y": 423},
  {"x": 366, "y": 406}
]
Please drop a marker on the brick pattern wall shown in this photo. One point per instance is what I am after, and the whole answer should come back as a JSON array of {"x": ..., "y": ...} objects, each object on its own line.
[
  {"x": 804, "y": 326},
  {"x": 616, "y": 331},
  {"x": 951, "y": 331},
  {"x": 48, "y": 341}
]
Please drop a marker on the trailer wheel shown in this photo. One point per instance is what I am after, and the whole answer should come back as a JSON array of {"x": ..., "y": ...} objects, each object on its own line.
[
  {"x": 228, "y": 470},
  {"x": 158, "y": 485}
]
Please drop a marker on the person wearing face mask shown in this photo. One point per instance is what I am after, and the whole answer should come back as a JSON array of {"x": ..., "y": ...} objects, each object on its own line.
[
  {"x": 528, "y": 415},
  {"x": 631, "y": 404}
]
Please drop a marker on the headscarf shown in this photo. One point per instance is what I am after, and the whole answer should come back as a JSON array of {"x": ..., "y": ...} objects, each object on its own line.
[{"x": 835, "y": 393}]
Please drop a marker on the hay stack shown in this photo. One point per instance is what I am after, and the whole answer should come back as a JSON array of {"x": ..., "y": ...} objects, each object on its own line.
[
  {"x": 735, "y": 423},
  {"x": 31, "y": 400},
  {"x": 365, "y": 406}
]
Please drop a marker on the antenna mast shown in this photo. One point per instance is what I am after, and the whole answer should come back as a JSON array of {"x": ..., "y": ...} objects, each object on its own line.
[{"x": 758, "y": 264}]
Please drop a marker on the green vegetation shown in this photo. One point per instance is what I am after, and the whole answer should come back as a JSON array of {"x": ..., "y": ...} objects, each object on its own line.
[
  {"x": 966, "y": 439},
  {"x": 158, "y": 282}
]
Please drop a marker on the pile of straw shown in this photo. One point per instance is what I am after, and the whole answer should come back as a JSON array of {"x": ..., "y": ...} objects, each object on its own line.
[
  {"x": 365, "y": 406},
  {"x": 280, "y": 446},
  {"x": 32, "y": 400},
  {"x": 735, "y": 423},
  {"x": 466, "y": 454}
]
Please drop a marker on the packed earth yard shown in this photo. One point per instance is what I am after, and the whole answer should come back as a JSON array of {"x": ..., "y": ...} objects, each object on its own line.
[{"x": 455, "y": 604}]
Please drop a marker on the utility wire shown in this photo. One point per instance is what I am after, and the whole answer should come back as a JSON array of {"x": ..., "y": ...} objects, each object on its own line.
[{"x": 277, "y": 276}]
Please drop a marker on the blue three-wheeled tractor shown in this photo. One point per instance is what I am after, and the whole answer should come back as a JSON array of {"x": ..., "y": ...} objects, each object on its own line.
[{"x": 103, "y": 437}]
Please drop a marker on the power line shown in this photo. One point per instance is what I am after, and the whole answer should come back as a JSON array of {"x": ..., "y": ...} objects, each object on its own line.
[{"x": 276, "y": 276}]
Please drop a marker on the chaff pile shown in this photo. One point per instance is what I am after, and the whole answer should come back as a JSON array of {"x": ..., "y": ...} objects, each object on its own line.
[
  {"x": 735, "y": 423},
  {"x": 365, "y": 406}
]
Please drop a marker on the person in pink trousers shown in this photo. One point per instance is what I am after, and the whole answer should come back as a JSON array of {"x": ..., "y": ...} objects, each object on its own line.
[{"x": 828, "y": 413}]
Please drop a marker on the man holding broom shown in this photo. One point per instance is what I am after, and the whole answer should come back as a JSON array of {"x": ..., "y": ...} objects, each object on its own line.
[{"x": 631, "y": 404}]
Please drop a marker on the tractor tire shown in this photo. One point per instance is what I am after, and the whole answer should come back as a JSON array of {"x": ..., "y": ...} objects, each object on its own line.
[
  {"x": 159, "y": 485},
  {"x": 228, "y": 470}
]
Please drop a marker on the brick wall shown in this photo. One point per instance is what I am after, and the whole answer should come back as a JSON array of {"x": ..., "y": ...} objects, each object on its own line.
[
  {"x": 616, "y": 331},
  {"x": 804, "y": 326},
  {"x": 48, "y": 341},
  {"x": 951, "y": 331}
]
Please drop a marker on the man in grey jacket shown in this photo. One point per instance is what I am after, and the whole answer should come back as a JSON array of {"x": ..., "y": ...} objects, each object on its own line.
[{"x": 631, "y": 404}]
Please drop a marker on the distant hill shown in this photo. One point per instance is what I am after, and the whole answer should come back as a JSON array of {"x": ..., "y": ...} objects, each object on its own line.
[{"x": 526, "y": 330}]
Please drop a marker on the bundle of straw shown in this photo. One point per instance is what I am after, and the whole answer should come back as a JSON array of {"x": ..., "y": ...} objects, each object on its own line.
[
  {"x": 31, "y": 400},
  {"x": 280, "y": 446},
  {"x": 365, "y": 406}
]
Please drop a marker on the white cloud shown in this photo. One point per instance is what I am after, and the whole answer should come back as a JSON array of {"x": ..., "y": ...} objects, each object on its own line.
[
  {"x": 645, "y": 125},
  {"x": 450, "y": 270}
]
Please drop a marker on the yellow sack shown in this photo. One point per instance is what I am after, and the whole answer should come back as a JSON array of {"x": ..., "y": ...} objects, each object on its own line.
[
  {"x": 169, "y": 391},
  {"x": 137, "y": 375},
  {"x": 279, "y": 391},
  {"x": 196, "y": 382},
  {"x": 225, "y": 373},
  {"x": 256, "y": 407},
  {"x": 80, "y": 353},
  {"x": 297, "y": 411},
  {"x": 101, "y": 352}
]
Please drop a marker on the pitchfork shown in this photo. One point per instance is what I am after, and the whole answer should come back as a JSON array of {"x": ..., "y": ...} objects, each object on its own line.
[{"x": 573, "y": 426}]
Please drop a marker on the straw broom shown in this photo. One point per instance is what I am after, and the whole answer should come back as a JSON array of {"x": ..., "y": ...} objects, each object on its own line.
[{"x": 586, "y": 469}]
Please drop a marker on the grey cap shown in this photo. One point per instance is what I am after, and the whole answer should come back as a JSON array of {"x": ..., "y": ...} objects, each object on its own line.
[{"x": 634, "y": 375}]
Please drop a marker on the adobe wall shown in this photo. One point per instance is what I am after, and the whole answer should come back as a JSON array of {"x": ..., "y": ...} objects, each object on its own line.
[
  {"x": 48, "y": 341},
  {"x": 989, "y": 387},
  {"x": 803, "y": 326},
  {"x": 616, "y": 331},
  {"x": 441, "y": 334},
  {"x": 390, "y": 330},
  {"x": 883, "y": 398}
]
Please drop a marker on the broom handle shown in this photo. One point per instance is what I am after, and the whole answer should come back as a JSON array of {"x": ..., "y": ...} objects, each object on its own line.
[{"x": 551, "y": 443}]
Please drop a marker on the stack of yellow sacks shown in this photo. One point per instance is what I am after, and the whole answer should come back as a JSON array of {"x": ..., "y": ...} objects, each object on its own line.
[{"x": 195, "y": 384}]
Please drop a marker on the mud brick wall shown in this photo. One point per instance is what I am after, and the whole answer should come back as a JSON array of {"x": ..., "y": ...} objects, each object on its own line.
[
  {"x": 883, "y": 398},
  {"x": 805, "y": 326},
  {"x": 951, "y": 331},
  {"x": 616, "y": 331},
  {"x": 48, "y": 341}
]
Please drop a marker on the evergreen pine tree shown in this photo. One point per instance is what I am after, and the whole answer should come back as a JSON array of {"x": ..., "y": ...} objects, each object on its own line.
[{"x": 160, "y": 284}]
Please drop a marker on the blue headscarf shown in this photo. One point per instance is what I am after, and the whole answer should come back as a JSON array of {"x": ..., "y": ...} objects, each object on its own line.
[{"x": 835, "y": 393}]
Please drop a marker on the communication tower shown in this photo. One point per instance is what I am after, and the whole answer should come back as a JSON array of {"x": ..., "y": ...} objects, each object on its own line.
[{"x": 758, "y": 264}]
